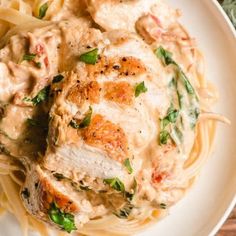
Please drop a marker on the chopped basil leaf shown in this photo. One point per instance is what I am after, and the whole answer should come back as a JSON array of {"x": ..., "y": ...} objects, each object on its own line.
[
  {"x": 177, "y": 135},
  {"x": 42, "y": 10},
  {"x": 90, "y": 57},
  {"x": 164, "y": 123},
  {"x": 128, "y": 166},
  {"x": 59, "y": 176},
  {"x": 129, "y": 195},
  {"x": 125, "y": 211},
  {"x": 87, "y": 119},
  {"x": 135, "y": 185},
  {"x": 194, "y": 114},
  {"x": 41, "y": 96},
  {"x": 163, "y": 137},
  {"x": 29, "y": 57},
  {"x": 57, "y": 78},
  {"x": 180, "y": 99},
  {"x": 26, "y": 99},
  {"x": 170, "y": 118},
  {"x": 140, "y": 88},
  {"x": 25, "y": 193},
  {"x": 163, "y": 206},
  {"x": 173, "y": 83},
  {"x": 165, "y": 56},
  {"x": 115, "y": 183},
  {"x": 186, "y": 82},
  {"x": 64, "y": 220},
  {"x": 173, "y": 115},
  {"x": 84, "y": 123},
  {"x": 32, "y": 122},
  {"x": 73, "y": 124},
  {"x": 38, "y": 64}
]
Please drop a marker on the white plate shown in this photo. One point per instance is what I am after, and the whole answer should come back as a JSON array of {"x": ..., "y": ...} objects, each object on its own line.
[{"x": 207, "y": 205}]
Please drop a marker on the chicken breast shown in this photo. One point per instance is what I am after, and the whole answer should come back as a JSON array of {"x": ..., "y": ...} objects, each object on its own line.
[
  {"x": 49, "y": 196},
  {"x": 116, "y": 14},
  {"x": 98, "y": 119},
  {"x": 121, "y": 14}
]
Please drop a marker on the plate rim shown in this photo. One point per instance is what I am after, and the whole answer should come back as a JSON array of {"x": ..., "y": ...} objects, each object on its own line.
[{"x": 218, "y": 8}]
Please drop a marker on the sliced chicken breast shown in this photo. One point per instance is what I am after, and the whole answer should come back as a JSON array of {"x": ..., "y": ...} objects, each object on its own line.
[
  {"x": 116, "y": 14},
  {"x": 98, "y": 119},
  {"x": 49, "y": 195}
]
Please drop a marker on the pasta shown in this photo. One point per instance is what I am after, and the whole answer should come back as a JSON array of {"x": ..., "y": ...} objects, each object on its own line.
[{"x": 22, "y": 18}]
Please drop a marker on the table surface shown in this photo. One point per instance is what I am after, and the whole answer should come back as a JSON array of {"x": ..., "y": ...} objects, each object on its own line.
[{"x": 229, "y": 227}]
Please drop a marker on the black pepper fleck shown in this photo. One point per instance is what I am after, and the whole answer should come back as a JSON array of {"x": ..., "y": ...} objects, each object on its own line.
[
  {"x": 25, "y": 193},
  {"x": 116, "y": 67}
]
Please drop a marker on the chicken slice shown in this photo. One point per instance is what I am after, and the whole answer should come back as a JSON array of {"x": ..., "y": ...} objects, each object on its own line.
[
  {"x": 116, "y": 14},
  {"x": 45, "y": 192},
  {"x": 119, "y": 124}
]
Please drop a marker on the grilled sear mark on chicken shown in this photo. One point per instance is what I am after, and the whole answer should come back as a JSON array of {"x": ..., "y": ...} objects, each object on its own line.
[
  {"x": 122, "y": 66},
  {"x": 120, "y": 92},
  {"x": 84, "y": 91},
  {"x": 108, "y": 136}
]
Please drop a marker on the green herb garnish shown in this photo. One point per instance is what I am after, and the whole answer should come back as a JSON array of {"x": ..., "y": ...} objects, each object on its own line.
[
  {"x": 163, "y": 206},
  {"x": 32, "y": 122},
  {"x": 73, "y": 124},
  {"x": 57, "y": 78},
  {"x": 173, "y": 83},
  {"x": 194, "y": 114},
  {"x": 90, "y": 57},
  {"x": 64, "y": 220},
  {"x": 180, "y": 99},
  {"x": 26, "y": 99},
  {"x": 125, "y": 211},
  {"x": 43, "y": 10},
  {"x": 165, "y": 56},
  {"x": 130, "y": 195},
  {"x": 128, "y": 166},
  {"x": 87, "y": 119},
  {"x": 38, "y": 64},
  {"x": 29, "y": 57},
  {"x": 186, "y": 82},
  {"x": 59, "y": 176},
  {"x": 164, "y": 137},
  {"x": 140, "y": 88},
  {"x": 177, "y": 135},
  {"x": 172, "y": 115},
  {"x": 41, "y": 96},
  {"x": 115, "y": 183},
  {"x": 84, "y": 123}
]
